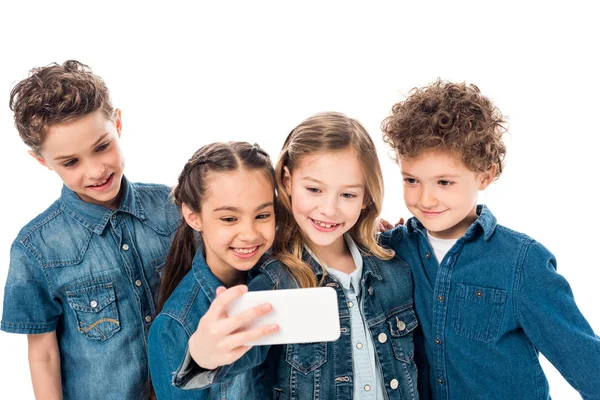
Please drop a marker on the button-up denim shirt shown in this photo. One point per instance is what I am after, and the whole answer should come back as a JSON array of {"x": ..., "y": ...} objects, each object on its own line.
[
  {"x": 488, "y": 307},
  {"x": 326, "y": 370},
  {"x": 91, "y": 274},
  {"x": 171, "y": 331}
]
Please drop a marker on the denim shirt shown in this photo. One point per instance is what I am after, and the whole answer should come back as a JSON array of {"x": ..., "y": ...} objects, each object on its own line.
[
  {"x": 170, "y": 332},
  {"x": 325, "y": 370},
  {"x": 488, "y": 307},
  {"x": 91, "y": 274}
]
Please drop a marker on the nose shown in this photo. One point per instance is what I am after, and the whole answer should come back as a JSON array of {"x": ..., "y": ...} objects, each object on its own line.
[
  {"x": 95, "y": 169},
  {"x": 428, "y": 199},
  {"x": 248, "y": 232},
  {"x": 328, "y": 205}
]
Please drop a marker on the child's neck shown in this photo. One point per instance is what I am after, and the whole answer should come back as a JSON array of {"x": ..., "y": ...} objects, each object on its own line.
[{"x": 337, "y": 256}]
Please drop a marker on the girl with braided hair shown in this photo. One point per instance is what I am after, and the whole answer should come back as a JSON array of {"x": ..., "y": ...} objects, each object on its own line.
[{"x": 226, "y": 195}]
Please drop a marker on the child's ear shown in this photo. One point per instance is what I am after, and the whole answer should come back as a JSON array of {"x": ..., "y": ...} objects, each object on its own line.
[
  {"x": 191, "y": 217},
  {"x": 39, "y": 159},
  {"x": 287, "y": 181},
  {"x": 118, "y": 121},
  {"x": 487, "y": 177}
]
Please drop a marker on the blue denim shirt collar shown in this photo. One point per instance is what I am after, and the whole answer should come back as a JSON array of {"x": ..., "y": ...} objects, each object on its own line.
[
  {"x": 95, "y": 217},
  {"x": 485, "y": 223}
]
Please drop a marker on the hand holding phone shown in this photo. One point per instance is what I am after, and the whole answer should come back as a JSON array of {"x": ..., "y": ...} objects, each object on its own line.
[{"x": 219, "y": 339}]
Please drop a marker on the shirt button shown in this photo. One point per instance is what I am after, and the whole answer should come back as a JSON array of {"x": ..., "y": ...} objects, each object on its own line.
[
  {"x": 93, "y": 304},
  {"x": 125, "y": 247},
  {"x": 138, "y": 283},
  {"x": 350, "y": 304},
  {"x": 359, "y": 345},
  {"x": 400, "y": 324},
  {"x": 437, "y": 341},
  {"x": 427, "y": 256},
  {"x": 394, "y": 384},
  {"x": 382, "y": 338},
  {"x": 370, "y": 291},
  {"x": 440, "y": 381},
  {"x": 440, "y": 298},
  {"x": 367, "y": 388},
  {"x": 148, "y": 318},
  {"x": 479, "y": 293}
]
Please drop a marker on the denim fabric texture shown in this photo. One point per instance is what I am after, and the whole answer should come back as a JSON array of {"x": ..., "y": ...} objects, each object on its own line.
[
  {"x": 325, "y": 370},
  {"x": 91, "y": 274},
  {"x": 486, "y": 310},
  {"x": 169, "y": 335}
]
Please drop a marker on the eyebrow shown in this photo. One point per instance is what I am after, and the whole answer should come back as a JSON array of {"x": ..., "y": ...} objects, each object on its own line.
[
  {"x": 356, "y": 185},
  {"x": 101, "y": 138},
  {"x": 445, "y": 176},
  {"x": 237, "y": 209}
]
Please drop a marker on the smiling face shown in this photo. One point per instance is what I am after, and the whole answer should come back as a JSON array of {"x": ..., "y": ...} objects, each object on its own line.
[
  {"x": 442, "y": 193},
  {"x": 86, "y": 155},
  {"x": 237, "y": 221},
  {"x": 327, "y": 193}
]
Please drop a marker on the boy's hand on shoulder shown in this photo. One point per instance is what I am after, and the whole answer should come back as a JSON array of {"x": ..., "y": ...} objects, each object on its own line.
[
  {"x": 383, "y": 225},
  {"x": 221, "y": 340}
]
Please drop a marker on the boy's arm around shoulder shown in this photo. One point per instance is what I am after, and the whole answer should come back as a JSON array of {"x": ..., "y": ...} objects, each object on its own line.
[
  {"x": 546, "y": 309},
  {"x": 191, "y": 376},
  {"x": 392, "y": 237}
]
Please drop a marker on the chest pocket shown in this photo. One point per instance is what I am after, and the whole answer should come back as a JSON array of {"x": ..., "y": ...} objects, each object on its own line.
[
  {"x": 95, "y": 309},
  {"x": 306, "y": 357},
  {"x": 478, "y": 312},
  {"x": 401, "y": 326}
]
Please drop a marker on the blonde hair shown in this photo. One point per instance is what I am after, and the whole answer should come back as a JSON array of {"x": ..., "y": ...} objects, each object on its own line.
[{"x": 322, "y": 133}]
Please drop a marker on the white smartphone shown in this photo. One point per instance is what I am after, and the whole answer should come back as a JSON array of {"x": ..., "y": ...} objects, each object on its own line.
[{"x": 303, "y": 315}]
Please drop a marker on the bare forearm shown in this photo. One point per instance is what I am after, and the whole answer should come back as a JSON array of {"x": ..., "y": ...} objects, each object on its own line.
[
  {"x": 44, "y": 364},
  {"x": 45, "y": 377}
]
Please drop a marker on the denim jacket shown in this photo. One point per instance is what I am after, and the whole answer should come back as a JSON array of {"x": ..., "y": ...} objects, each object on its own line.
[
  {"x": 488, "y": 307},
  {"x": 170, "y": 332},
  {"x": 91, "y": 274},
  {"x": 325, "y": 370}
]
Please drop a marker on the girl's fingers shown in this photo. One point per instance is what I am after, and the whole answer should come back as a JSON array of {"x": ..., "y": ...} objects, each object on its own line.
[
  {"x": 224, "y": 298},
  {"x": 241, "y": 339},
  {"x": 220, "y": 290}
]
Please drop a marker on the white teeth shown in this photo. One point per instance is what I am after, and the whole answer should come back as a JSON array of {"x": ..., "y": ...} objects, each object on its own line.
[
  {"x": 100, "y": 184},
  {"x": 323, "y": 224},
  {"x": 245, "y": 250}
]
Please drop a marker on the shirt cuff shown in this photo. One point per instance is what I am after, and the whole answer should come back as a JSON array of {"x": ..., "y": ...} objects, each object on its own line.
[{"x": 192, "y": 376}]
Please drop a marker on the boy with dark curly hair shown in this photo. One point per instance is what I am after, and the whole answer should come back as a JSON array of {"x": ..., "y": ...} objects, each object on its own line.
[
  {"x": 488, "y": 298},
  {"x": 83, "y": 277}
]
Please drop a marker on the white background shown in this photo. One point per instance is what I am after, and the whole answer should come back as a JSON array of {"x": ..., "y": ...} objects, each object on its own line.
[{"x": 185, "y": 75}]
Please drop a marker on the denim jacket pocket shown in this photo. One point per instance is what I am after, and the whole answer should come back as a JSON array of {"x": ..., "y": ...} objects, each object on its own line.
[
  {"x": 306, "y": 357},
  {"x": 478, "y": 312},
  {"x": 95, "y": 309},
  {"x": 401, "y": 325}
]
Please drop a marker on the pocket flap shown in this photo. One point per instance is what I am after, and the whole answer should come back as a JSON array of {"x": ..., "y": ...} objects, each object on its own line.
[{"x": 403, "y": 323}]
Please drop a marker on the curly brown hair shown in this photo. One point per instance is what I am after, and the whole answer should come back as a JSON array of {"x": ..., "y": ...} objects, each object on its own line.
[
  {"x": 448, "y": 116},
  {"x": 56, "y": 94}
]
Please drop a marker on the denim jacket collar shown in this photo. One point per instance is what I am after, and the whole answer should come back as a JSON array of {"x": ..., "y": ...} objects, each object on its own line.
[
  {"x": 369, "y": 265},
  {"x": 95, "y": 217},
  {"x": 485, "y": 223},
  {"x": 206, "y": 279}
]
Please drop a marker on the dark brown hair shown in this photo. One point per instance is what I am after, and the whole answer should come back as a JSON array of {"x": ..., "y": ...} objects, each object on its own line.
[
  {"x": 56, "y": 94},
  {"x": 321, "y": 134},
  {"x": 448, "y": 116},
  {"x": 192, "y": 188}
]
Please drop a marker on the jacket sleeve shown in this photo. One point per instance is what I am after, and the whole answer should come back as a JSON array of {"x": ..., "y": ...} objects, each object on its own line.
[
  {"x": 190, "y": 375},
  {"x": 167, "y": 347},
  {"x": 550, "y": 317}
]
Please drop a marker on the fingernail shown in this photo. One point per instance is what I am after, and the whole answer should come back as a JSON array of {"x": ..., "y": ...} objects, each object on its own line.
[{"x": 266, "y": 307}]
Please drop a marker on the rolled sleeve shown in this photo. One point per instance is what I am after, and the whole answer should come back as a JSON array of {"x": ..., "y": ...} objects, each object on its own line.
[{"x": 29, "y": 306}]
